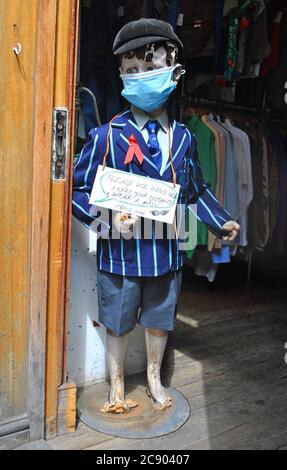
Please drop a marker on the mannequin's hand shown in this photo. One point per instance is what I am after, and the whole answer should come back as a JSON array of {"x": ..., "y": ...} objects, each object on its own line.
[
  {"x": 125, "y": 223},
  {"x": 232, "y": 229}
]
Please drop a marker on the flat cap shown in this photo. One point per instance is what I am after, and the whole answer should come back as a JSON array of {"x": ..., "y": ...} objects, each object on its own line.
[{"x": 141, "y": 32}]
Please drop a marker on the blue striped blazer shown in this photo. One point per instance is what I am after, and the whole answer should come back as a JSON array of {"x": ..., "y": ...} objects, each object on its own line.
[{"x": 143, "y": 257}]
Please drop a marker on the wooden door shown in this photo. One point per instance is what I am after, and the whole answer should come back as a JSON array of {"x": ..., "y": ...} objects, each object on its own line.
[
  {"x": 27, "y": 41},
  {"x": 37, "y": 63}
]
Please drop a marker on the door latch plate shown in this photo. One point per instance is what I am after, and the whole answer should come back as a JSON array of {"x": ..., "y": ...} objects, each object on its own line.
[{"x": 59, "y": 143}]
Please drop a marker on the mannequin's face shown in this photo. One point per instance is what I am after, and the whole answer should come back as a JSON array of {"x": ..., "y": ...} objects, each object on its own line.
[{"x": 151, "y": 57}]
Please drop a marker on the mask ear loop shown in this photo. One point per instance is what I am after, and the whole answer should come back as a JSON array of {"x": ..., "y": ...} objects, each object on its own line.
[{"x": 108, "y": 140}]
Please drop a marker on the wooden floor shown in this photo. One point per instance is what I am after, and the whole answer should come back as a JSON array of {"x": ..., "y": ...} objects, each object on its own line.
[{"x": 227, "y": 357}]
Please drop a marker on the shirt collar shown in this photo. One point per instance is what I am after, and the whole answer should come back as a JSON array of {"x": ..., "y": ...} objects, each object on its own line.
[{"x": 142, "y": 118}]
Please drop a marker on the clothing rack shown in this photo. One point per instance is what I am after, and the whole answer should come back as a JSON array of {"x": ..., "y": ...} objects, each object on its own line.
[
  {"x": 186, "y": 101},
  {"x": 190, "y": 101}
]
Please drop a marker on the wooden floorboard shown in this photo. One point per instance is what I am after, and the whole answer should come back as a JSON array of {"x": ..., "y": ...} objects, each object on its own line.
[{"x": 227, "y": 357}]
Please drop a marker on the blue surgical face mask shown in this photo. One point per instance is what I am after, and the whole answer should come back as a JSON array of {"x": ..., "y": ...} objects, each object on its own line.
[{"x": 148, "y": 90}]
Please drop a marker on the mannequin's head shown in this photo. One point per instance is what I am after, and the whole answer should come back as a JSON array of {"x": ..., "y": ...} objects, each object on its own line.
[
  {"x": 156, "y": 55},
  {"x": 148, "y": 52}
]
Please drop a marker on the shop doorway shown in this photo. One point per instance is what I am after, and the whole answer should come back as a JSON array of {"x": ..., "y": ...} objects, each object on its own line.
[{"x": 77, "y": 343}]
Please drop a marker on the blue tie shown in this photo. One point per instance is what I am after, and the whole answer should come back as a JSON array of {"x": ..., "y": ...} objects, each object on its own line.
[{"x": 153, "y": 143}]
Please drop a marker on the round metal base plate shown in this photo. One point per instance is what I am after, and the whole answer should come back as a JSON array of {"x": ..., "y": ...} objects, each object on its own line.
[{"x": 142, "y": 422}]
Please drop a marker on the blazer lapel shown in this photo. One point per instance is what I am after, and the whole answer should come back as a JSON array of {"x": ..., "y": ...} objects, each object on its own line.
[
  {"x": 147, "y": 167},
  {"x": 180, "y": 143}
]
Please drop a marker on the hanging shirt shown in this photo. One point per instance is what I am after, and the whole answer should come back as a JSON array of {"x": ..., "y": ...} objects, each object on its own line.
[
  {"x": 245, "y": 184},
  {"x": 230, "y": 171},
  {"x": 220, "y": 163},
  {"x": 273, "y": 181},
  {"x": 257, "y": 213},
  {"x": 207, "y": 157},
  {"x": 281, "y": 226}
]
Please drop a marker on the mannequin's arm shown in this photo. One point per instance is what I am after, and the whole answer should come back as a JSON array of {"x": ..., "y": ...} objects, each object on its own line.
[
  {"x": 85, "y": 171},
  {"x": 83, "y": 178}
]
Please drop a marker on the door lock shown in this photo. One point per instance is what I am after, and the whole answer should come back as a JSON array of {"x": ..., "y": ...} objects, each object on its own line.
[{"x": 59, "y": 143}]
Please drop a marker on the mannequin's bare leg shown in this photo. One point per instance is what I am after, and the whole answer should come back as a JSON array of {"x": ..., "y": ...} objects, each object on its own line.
[
  {"x": 155, "y": 345},
  {"x": 116, "y": 348},
  {"x": 116, "y": 352}
]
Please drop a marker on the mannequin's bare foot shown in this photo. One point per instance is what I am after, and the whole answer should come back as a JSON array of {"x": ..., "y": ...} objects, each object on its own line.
[
  {"x": 161, "y": 400},
  {"x": 116, "y": 350},
  {"x": 155, "y": 344},
  {"x": 117, "y": 403},
  {"x": 117, "y": 407}
]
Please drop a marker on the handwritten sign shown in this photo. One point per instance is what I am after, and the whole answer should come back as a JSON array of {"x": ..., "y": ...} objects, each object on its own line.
[{"x": 135, "y": 194}]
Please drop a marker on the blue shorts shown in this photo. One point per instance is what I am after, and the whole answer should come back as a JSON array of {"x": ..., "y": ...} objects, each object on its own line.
[{"x": 126, "y": 300}]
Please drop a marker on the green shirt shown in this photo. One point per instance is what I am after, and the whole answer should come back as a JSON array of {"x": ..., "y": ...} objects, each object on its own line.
[{"x": 207, "y": 159}]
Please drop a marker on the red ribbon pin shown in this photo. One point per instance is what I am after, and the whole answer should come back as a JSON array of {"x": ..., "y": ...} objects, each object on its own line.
[{"x": 134, "y": 150}]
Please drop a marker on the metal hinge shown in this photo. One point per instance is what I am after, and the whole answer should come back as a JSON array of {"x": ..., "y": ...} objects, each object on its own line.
[{"x": 59, "y": 143}]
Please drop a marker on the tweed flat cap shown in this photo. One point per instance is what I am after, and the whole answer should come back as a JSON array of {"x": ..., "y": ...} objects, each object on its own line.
[{"x": 142, "y": 32}]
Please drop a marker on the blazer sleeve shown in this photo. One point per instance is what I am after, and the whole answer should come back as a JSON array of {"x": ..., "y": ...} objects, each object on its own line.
[
  {"x": 202, "y": 201},
  {"x": 83, "y": 179}
]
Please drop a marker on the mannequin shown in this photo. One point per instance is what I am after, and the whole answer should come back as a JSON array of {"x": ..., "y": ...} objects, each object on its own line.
[
  {"x": 143, "y": 59},
  {"x": 148, "y": 51},
  {"x": 147, "y": 58}
]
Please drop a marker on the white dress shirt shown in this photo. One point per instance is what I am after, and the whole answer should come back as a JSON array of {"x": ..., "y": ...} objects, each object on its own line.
[
  {"x": 242, "y": 152},
  {"x": 142, "y": 118}
]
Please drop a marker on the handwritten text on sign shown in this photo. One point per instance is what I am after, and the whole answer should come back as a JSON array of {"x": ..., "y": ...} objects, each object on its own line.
[{"x": 135, "y": 194}]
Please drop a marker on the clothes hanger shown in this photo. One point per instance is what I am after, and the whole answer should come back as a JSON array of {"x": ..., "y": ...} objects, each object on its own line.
[{"x": 87, "y": 3}]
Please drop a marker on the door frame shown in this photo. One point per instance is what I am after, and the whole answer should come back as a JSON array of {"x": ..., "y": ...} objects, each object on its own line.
[
  {"x": 60, "y": 394},
  {"x": 43, "y": 104}
]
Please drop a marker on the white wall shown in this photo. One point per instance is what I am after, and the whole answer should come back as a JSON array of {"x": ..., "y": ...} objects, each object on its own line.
[{"x": 86, "y": 342}]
